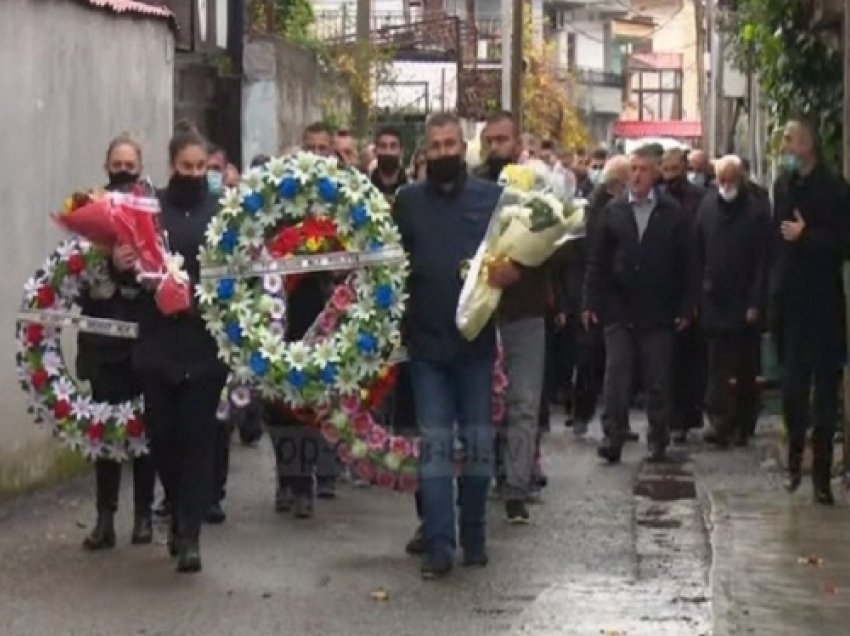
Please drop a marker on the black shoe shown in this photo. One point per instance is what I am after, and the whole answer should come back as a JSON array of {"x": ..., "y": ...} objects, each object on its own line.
[
  {"x": 303, "y": 508},
  {"x": 163, "y": 509},
  {"x": 609, "y": 452},
  {"x": 103, "y": 535},
  {"x": 433, "y": 569},
  {"x": 416, "y": 545},
  {"x": 189, "y": 558},
  {"x": 657, "y": 454},
  {"x": 712, "y": 436},
  {"x": 283, "y": 499},
  {"x": 680, "y": 438},
  {"x": 216, "y": 515},
  {"x": 326, "y": 488},
  {"x": 541, "y": 480},
  {"x": 475, "y": 559},
  {"x": 631, "y": 436},
  {"x": 792, "y": 483},
  {"x": 742, "y": 440},
  {"x": 516, "y": 513},
  {"x": 824, "y": 496},
  {"x": 569, "y": 422},
  {"x": 142, "y": 529}
]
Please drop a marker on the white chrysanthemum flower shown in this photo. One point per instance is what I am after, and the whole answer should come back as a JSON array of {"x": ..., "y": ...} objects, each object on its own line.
[
  {"x": 81, "y": 407},
  {"x": 364, "y": 310},
  {"x": 124, "y": 412},
  {"x": 251, "y": 235},
  {"x": 272, "y": 346},
  {"x": 63, "y": 388},
  {"x": 207, "y": 291},
  {"x": 238, "y": 261},
  {"x": 31, "y": 288},
  {"x": 293, "y": 396},
  {"x": 252, "y": 181},
  {"x": 215, "y": 230},
  {"x": 325, "y": 353},
  {"x": 249, "y": 321},
  {"x": 242, "y": 373},
  {"x": 276, "y": 169},
  {"x": 298, "y": 356},
  {"x": 52, "y": 363},
  {"x": 368, "y": 366},
  {"x": 347, "y": 380},
  {"x": 66, "y": 249},
  {"x": 389, "y": 235},
  {"x": 268, "y": 391}
]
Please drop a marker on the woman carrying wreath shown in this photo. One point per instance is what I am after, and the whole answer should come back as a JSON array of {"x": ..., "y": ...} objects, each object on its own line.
[
  {"x": 177, "y": 362},
  {"x": 106, "y": 363}
]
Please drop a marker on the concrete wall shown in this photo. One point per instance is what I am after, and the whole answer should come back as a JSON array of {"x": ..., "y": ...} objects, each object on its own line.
[
  {"x": 71, "y": 77},
  {"x": 678, "y": 34},
  {"x": 284, "y": 90}
]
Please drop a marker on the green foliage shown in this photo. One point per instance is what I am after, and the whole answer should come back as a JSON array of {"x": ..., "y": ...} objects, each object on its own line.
[
  {"x": 799, "y": 68},
  {"x": 295, "y": 17}
]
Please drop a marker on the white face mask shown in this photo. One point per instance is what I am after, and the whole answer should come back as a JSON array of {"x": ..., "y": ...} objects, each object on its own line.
[
  {"x": 697, "y": 178},
  {"x": 594, "y": 175},
  {"x": 728, "y": 194}
]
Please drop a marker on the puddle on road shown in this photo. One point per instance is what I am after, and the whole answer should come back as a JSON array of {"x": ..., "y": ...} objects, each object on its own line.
[{"x": 665, "y": 489}]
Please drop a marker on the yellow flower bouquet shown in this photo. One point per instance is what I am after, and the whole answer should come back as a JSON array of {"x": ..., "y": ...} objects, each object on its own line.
[{"x": 527, "y": 227}]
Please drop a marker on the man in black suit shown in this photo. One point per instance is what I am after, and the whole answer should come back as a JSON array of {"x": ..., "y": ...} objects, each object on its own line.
[{"x": 638, "y": 286}]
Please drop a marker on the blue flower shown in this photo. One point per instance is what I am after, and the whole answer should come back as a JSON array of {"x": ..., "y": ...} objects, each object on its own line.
[
  {"x": 367, "y": 343},
  {"x": 288, "y": 188},
  {"x": 228, "y": 241},
  {"x": 375, "y": 245},
  {"x": 327, "y": 189},
  {"x": 329, "y": 373},
  {"x": 298, "y": 379},
  {"x": 226, "y": 288},
  {"x": 359, "y": 215},
  {"x": 234, "y": 333},
  {"x": 259, "y": 365},
  {"x": 253, "y": 203},
  {"x": 384, "y": 296}
]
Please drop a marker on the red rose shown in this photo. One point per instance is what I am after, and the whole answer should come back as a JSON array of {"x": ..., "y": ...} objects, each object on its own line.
[
  {"x": 286, "y": 242},
  {"x": 364, "y": 470},
  {"x": 401, "y": 446},
  {"x": 38, "y": 379},
  {"x": 342, "y": 297},
  {"x": 407, "y": 482},
  {"x": 330, "y": 433},
  {"x": 319, "y": 228},
  {"x": 45, "y": 297},
  {"x": 386, "y": 479},
  {"x": 377, "y": 437},
  {"x": 135, "y": 427},
  {"x": 62, "y": 409},
  {"x": 76, "y": 264},
  {"x": 95, "y": 431},
  {"x": 343, "y": 451},
  {"x": 362, "y": 423},
  {"x": 34, "y": 334}
]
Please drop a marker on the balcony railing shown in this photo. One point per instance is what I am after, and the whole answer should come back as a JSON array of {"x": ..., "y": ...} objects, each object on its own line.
[{"x": 593, "y": 77}]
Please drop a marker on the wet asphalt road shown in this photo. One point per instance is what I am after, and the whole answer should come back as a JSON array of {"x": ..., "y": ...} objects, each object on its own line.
[{"x": 596, "y": 560}]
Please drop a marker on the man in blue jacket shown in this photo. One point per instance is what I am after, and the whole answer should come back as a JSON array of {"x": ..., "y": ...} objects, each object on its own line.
[{"x": 442, "y": 221}]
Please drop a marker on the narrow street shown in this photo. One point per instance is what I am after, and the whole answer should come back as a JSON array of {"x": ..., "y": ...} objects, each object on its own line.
[{"x": 619, "y": 550}]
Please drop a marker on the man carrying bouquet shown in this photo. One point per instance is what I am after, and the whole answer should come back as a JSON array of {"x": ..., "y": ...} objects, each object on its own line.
[
  {"x": 442, "y": 221},
  {"x": 523, "y": 332},
  {"x": 638, "y": 286}
]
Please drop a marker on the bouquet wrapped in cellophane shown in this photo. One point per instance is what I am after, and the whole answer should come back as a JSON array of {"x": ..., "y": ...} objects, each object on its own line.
[{"x": 527, "y": 227}]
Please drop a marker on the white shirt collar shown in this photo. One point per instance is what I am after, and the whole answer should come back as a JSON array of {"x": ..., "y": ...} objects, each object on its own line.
[{"x": 650, "y": 198}]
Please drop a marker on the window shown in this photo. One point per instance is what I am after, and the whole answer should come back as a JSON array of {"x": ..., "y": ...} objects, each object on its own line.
[
  {"x": 571, "y": 50},
  {"x": 657, "y": 93}
]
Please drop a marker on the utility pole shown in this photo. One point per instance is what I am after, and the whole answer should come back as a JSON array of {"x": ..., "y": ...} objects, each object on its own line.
[
  {"x": 506, "y": 56},
  {"x": 516, "y": 61},
  {"x": 846, "y": 148},
  {"x": 713, "y": 87},
  {"x": 699, "y": 18},
  {"x": 362, "y": 49}
]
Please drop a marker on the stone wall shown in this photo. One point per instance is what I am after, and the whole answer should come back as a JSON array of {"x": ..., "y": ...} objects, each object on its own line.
[
  {"x": 284, "y": 89},
  {"x": 72, "y": 78}
]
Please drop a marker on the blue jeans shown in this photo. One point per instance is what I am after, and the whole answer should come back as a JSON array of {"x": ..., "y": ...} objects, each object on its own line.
[{"x": 457, "y": 392}]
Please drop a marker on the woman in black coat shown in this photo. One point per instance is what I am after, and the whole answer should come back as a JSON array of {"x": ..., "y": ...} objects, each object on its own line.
[
  {"x": 176, "y": 360},
  {"x": 105, "y": 362}
]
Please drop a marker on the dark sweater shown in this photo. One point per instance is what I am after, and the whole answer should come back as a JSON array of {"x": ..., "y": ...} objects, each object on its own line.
[
  {"x": 440, "y": 230},
  {"x": 178, "y": 347}
]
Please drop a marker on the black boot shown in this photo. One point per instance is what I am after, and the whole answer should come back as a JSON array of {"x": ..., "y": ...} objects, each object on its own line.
[
  {"x": 822, "y": 471},
  {"x": 174, "y": 542},
  {"x": 189, "y": 558},
  {"x": 142, "y": 528},
  {"x": 103, "y": 535}
]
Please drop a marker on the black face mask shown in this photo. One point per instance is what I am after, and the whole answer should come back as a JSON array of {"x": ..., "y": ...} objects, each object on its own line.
[
  {"x": 187, "y": 191},
  {"x": 676, "y": 185},
  {"x": 445, "y": 170},
  {"x": 495, "y": 165},
  {"x": 388, "y": 164},
  {"x": 122, "y": 180}
]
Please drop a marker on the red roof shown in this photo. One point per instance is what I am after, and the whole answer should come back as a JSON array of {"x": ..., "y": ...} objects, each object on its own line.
[
  {"x": 132, "y": 6},
  {"x": 658, "y": 61},
  {"x": 678, "y": 129}
]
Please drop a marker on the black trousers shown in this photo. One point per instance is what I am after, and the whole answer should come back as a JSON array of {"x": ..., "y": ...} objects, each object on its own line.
[
  {"x": 221, "y": 466},
  {"x": 183, "y": 431},
  {"x": 809, "y": 392},
  {"x": 115, "y": 383},
  {"x": 590, "y": 372},
  {"x": 689, "y": 378},
  {"x": 733, "y": 406}
]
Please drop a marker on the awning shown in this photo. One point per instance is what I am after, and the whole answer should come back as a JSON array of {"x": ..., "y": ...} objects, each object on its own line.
[
  {"x": 678, "y": 129},
  {"x": 632, "y": 30}
]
